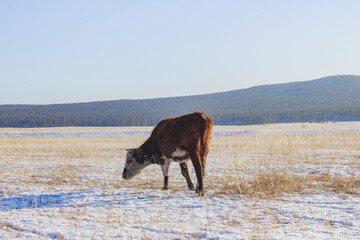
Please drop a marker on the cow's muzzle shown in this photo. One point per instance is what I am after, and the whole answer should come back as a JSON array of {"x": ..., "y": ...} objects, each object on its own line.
[{"x": 124, "y": 174}]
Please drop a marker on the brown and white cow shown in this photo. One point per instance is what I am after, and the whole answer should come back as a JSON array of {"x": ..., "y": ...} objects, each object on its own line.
[{"x": 175, "y": 139}]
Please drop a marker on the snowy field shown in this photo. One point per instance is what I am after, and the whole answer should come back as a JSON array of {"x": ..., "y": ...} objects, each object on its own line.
[{"x": 284, "y": 181}]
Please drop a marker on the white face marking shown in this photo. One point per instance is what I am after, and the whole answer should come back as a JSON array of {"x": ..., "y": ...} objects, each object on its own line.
[
  {"x": 132, "y": 167},
  {"x": 179, "y": 153}
]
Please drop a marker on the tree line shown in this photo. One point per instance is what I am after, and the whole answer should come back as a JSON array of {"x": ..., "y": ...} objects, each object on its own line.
[
  {"x": 333, "y": 98},
  {"x": 315, "y": 115}
]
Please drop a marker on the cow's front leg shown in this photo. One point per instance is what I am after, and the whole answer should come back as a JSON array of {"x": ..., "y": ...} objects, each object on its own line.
[{"x": 165, "y": 170}]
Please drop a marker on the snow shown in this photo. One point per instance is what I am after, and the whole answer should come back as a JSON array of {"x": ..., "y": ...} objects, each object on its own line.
[
  {"x": 77, "y": 134},
  {"x": 130, "y": 213},
  {"x": 306, "y": 128},
  {"x": 76, "y": 212}
]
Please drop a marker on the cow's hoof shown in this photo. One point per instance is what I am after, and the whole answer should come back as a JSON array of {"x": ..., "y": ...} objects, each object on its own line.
[
  {"x": 164, "y": 188},
  {"x": 199, "y": 191}
]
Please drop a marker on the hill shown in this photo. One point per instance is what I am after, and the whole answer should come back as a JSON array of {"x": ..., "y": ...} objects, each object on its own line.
[{"x": 333, "y": 98}]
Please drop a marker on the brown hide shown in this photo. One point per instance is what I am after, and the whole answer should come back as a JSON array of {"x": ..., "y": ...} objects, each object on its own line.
[{"x": 191, "y": 132}]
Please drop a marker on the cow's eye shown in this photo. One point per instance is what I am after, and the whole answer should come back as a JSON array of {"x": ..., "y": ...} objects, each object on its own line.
[{"x": 128, "y": 161}]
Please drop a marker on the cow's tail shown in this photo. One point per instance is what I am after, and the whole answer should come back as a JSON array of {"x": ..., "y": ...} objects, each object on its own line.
[{"x": 205, "y": 133}]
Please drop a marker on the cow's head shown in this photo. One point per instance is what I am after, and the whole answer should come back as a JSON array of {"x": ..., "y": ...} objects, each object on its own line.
[{"x": 135, "y": 162}]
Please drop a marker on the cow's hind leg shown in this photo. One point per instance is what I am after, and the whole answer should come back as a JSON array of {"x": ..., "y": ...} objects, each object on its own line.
[
  {"x": 196, "y": 160},
  {"x": 185, "y": 173}
]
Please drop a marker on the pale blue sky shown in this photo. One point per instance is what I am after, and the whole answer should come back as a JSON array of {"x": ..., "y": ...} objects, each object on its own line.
[{"x": 80, "y": 51}]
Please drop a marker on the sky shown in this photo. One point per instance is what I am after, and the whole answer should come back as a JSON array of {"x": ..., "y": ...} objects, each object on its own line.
[{"x": 80, "y": 51}]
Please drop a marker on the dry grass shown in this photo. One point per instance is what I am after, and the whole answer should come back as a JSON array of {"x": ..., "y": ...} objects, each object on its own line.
[
  {"x": 277, "y": 183},
  {"x": 338, "y": 184},
  {"x": 268, "y": 166},
  {"x": 262, "y": 166},
  {"x": 266, "y": 185}
]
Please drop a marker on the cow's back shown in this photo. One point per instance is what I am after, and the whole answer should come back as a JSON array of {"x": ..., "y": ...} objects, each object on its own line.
[{"x": 185, "y": 132}]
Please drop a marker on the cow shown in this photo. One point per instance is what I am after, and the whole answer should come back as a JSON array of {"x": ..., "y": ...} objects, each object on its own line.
[{"x": 175, "y": 139}]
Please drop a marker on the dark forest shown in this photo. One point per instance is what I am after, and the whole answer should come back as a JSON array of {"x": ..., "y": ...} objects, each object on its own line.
[{"x": 335, "y": 98}]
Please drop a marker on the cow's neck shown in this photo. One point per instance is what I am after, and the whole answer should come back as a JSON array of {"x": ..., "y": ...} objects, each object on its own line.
[{"x": 149, "y": 148}]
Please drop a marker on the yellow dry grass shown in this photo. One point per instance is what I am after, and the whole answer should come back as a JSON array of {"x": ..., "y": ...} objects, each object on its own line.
[
  {"x": 261, "y": 165},
  {"x": 267, "y": 166}
]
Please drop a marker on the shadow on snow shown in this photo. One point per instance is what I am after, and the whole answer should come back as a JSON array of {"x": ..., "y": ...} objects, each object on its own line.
[{"x": 73, "y": 199}]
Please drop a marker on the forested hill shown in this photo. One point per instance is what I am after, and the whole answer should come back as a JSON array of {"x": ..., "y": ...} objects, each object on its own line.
[{"x": 335, "y": 98}]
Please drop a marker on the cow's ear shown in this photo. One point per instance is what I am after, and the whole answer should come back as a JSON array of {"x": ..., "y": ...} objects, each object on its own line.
[
  {"x": 131, "y": 151},
  {"x": 140, "y": 152}
]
